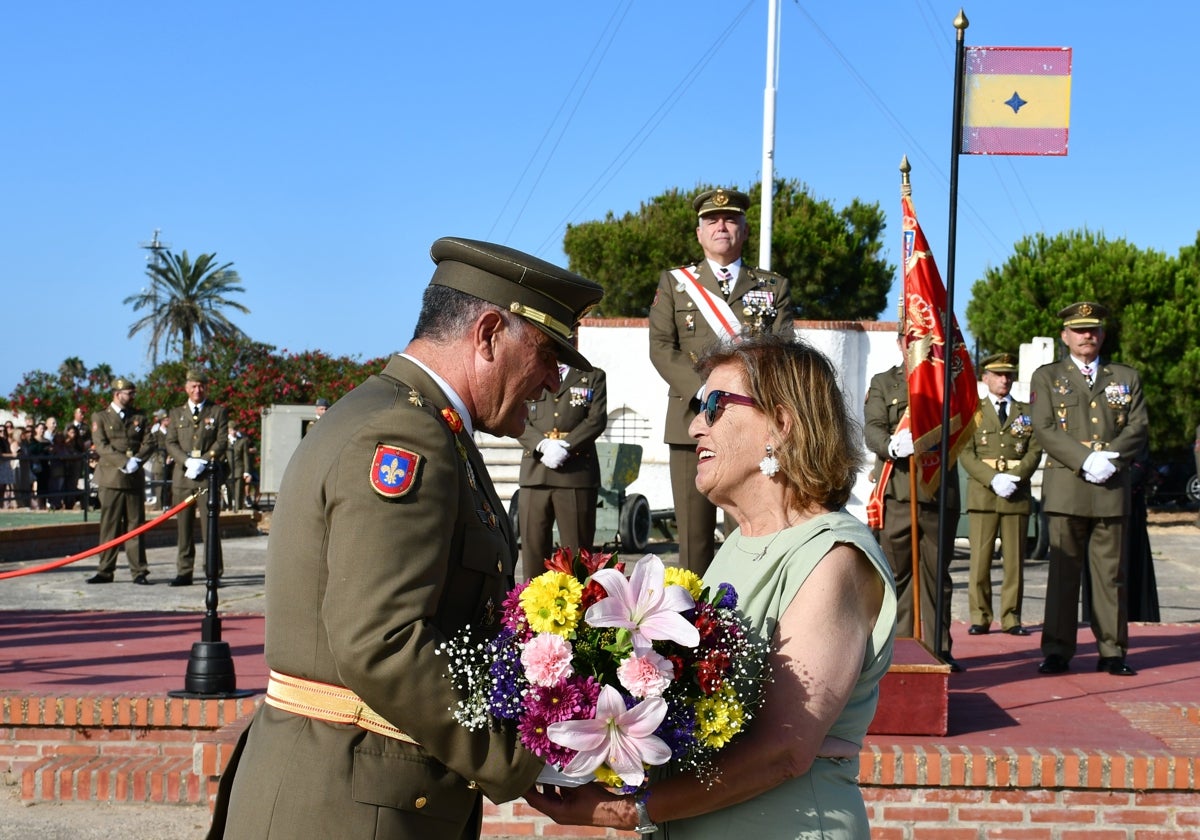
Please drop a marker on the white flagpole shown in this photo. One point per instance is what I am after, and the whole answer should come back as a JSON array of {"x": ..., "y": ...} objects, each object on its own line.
[{"x": 768, "y": 158}]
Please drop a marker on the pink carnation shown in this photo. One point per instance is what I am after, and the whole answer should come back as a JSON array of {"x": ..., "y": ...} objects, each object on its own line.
[
  {"x": 547, "y": 659},
  {"x": 647, "y": 675}
]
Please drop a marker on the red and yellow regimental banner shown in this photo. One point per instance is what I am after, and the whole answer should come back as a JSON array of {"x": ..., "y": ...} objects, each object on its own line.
[{"x": 1016, "y": 100}]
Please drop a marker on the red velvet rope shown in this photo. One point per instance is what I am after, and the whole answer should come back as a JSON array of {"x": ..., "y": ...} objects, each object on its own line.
[{"x": 163, "y": 517}]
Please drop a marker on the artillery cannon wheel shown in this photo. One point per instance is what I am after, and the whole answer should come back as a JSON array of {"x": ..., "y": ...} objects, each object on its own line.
[{"x": 634, "y": 525}]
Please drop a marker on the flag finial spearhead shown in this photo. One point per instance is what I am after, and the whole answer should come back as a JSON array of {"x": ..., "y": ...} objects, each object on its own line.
[
  {"x": 960, "y": 22},
  {"x": 905, "y": 168}
]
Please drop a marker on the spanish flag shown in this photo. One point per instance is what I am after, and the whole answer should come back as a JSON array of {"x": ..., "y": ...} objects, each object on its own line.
[{"x": 1016, "y": 100}]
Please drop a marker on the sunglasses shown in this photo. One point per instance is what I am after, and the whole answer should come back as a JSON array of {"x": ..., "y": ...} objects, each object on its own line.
[{"x": 715, "y": 400}]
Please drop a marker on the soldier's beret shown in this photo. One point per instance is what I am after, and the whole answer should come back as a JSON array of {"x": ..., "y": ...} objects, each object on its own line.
[
  {"x": 160, "y": 413},
  {"x": 549, "y": 297},
  {"x": 123, "y": 384},
  {"x": 322, "y": 403},
  {"x": 1000, "y": 363},
  {"x": 197, "y": 375},
  {"x": 1083, "y": 314},
  {"x": 721, "y": 200}
]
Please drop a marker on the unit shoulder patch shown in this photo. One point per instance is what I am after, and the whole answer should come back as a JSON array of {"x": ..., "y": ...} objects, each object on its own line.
[{"x": 393, "y": 470}]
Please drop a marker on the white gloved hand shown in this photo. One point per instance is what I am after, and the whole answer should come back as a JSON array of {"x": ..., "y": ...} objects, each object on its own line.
[
  {"x": 1004, "y": 484},
  {"x": 193, "y": 467},
  {"x": 1099, "y": 467},
  {"x": 901, "y": 444},
  {"x": 131, "y": 466},
  {"x": 554, "y": 452},
  {"x": 551, "y": 775}
]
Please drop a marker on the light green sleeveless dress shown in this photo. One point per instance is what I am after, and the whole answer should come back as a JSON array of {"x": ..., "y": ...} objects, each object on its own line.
[{"x": 825, "y": 802}]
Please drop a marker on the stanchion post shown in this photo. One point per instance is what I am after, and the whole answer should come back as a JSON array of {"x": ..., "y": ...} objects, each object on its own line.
[{"x": 210, "y": 672}]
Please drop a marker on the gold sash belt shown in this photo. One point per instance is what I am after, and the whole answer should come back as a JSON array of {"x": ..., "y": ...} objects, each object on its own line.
[{"x": 330, "y": 703}]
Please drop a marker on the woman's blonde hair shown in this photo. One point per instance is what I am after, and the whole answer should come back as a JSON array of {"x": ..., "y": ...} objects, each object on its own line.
[{"x": 821, "y": 456}]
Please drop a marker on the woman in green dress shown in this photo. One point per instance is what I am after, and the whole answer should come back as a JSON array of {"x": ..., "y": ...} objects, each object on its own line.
[{"x": 780, "y": 453}]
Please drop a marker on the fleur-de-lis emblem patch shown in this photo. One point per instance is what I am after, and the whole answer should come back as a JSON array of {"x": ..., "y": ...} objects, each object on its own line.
[{"x": 393, "y": 470}]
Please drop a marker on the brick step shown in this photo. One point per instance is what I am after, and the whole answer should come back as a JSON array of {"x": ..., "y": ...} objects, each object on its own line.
[{"x": 169, "y": 780}]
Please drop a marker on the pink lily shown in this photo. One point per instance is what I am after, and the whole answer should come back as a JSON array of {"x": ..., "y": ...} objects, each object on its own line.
[
  {"x": 644, "y": 606},
  {"x": 623, "y": 738}
]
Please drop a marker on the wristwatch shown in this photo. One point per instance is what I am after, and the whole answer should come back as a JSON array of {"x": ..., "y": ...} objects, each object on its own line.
[{"x": 645, "y": 824}]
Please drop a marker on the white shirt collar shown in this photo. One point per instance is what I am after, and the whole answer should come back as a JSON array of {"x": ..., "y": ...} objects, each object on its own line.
[
  {"x": 455, "y": 399},
  {"x": 733, "y": 267}
]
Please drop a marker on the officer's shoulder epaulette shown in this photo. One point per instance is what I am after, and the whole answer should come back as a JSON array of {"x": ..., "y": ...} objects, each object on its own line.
[{"x": 763, "y": 275}]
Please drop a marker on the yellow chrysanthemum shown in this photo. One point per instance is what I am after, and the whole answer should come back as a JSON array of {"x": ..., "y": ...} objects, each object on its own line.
[
  {"x": 719, "y": 718},
  {"x": 551, "y": 603},
  {"x": 675, "y": 576},
  {"x": 606, "y": 777}
]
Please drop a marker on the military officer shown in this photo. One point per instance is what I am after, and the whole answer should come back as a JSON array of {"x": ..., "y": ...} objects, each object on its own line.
[
  {"x": 1000, "y": 459},
  {"x": 121, "y": 439},
  {"x": 388, "y": 538},
  {"x": 197, "y": 438},
  {"x": 695, "y": 305},
  {"x": 560, "y": 477},
  {"x": 887, "y": 400},
  {"x": 1090, "y": 417}
]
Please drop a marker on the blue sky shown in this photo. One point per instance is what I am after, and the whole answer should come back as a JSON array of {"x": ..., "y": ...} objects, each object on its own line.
[{"x": 322, "y": 147}]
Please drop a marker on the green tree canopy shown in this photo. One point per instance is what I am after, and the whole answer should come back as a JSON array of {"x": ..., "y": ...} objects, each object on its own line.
[
  {"x": 185, "y": 302},
  {"x": 1153, "y": 325},
  {"x": 832, "y": 257}
]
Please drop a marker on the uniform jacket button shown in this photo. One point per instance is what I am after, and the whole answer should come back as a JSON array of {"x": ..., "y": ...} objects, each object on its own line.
[{"x": 420, "y": 802}]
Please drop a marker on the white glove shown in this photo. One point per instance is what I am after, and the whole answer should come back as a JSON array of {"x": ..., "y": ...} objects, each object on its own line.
[
  {"x": 554, "y": 452},
  {"x": 193, "y": 467},
  {"x": 1004, "y": 484},
  {"x": 131, "y": 466},
  {"x": 551, "y": 775},
  {"x": 1099, "y": 468},
  {"x": 901, "y": 444}
]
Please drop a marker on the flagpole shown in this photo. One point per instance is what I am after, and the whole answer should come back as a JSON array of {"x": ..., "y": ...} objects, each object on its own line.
[
  {"x": 914, "y": 508},
  {"x": 766, "y": 223},
  {"x": 943, "y": 562}
]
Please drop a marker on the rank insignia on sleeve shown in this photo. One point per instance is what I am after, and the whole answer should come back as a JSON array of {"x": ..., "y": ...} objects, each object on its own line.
[{"x": 393, "y": 470}]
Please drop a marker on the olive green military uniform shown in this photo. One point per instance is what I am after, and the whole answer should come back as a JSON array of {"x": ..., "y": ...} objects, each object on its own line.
[
  {"x": 1087, "y": 521},
  {"x": 576, "y": 414},
  {"x": 887, "y": 398},
  {"x": 999, "y": 447},
  {"x": 372, "y": 586},
  {"x": 679, "y": 334},
  {"x": 387, "y": 539},
  {"x": 122, "y": 495},
  {"x": 237, "y": 459},
  {"x": 203, "y": 435}
]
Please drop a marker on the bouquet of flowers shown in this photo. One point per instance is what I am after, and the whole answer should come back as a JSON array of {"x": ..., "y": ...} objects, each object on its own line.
[{"x": 605, "y": 675}]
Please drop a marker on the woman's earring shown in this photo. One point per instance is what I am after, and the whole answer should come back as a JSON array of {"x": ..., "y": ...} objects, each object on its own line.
[{"x": 769, "y": 465}]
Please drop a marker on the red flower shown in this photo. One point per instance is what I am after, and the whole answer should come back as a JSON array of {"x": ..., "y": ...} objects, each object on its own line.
[
  {"x": 560, "y": 561},
  {"x": 709, "y": 676},
  {"x": 592, "y": 593}
]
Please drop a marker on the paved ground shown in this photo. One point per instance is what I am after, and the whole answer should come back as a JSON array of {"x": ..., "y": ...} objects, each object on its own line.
[{"x": 976, "y": 715}]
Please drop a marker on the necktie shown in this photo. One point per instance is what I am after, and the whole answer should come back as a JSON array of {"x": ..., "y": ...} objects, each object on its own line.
[
  {"x": 1086, "y": 370},
  {"x": 726, "y": 279},
  {"x": 1002, "y": 410}
]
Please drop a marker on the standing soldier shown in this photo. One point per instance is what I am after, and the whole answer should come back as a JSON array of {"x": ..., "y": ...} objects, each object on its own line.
[
  {"x": 238, "y": 460},
  {"x": 1000, "y": 459},
  {"x": 560, "y": 477},
  {"x": 887, "y": 400},
  {"x": 119, "y": 435},
  {"x": 1090, "y": 417},
  {"x": 696, "y": 305},
  {"x": 197, "y": 437}
]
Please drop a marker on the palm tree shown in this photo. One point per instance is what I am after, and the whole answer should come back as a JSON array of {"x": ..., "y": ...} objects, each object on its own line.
[{"x": 185, "y": 300}]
